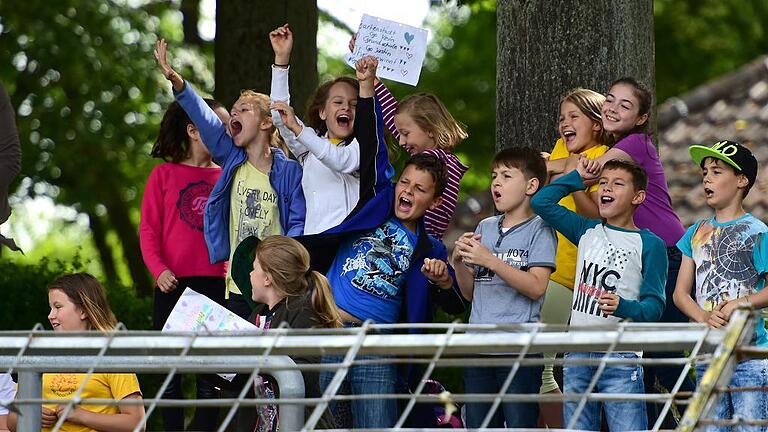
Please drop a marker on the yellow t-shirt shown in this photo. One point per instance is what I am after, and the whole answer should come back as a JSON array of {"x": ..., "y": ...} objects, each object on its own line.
[
  {"x": 253, "y": 211},
  {"x": 566, "y": 251},
  {"x": 99, "y": 386}
]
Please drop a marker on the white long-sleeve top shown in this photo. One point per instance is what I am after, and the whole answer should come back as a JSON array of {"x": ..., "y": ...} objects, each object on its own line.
[{"x": 331, "y": 180}]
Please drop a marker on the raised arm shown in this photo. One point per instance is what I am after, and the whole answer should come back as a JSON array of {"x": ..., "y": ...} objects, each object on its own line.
[
  {"x": 281, "y": 40},
  {"x": 212, "y": 130},
  {"x": 567, "y": 222}
]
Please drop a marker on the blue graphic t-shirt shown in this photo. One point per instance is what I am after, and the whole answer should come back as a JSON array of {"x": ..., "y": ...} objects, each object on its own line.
[
  {"x": 369, "y": 271},
  {"x": 729, "y": 265}
]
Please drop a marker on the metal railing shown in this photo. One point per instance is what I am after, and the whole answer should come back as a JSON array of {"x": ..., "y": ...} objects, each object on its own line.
[{"x": 437, "y": 346}]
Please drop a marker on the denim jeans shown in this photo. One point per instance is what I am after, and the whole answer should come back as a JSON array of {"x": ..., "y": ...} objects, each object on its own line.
[
  {"x": 747, "y": 405},
  {"x": 363, "y": 380},
  {"x": 527, "y": 380},
  {"x": 621, "y": 415}
]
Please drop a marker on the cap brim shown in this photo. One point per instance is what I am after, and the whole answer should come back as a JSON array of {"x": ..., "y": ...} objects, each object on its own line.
[
  {"x": 700, "y": 152},
  {"x": 242, "y": 264}
]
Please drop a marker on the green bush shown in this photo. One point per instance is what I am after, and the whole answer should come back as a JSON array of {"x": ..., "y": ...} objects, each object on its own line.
[{"x": 25, "y": 301}]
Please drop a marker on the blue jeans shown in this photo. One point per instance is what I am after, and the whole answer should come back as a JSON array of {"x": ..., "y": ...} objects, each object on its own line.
[
  {"x": 363, "y": 380},
  {"x": 621, "y": 415},
  {"x": 747, "y": 405},
  {"x": 527, "y": 380}
]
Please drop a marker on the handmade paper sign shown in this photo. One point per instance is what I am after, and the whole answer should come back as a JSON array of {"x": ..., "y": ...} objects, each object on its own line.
[
  {"x": 195, "y": 312},
  {"x": 400, "y": 48}
]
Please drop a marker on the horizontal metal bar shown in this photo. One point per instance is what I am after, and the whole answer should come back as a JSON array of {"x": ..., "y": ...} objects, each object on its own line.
[{"x": 156, "y": 343}]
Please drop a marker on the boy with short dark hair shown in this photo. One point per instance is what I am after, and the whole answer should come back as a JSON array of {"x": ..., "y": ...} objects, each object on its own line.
[
  {"x": 503, "y": 267},
  {"x": 386, "y": 269},
  {"x": 727, "y": 255},
  {"x": 621, "y": 273}
]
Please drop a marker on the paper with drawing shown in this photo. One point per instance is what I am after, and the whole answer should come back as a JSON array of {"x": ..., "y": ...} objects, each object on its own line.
[{"x": 400, "y": 48}]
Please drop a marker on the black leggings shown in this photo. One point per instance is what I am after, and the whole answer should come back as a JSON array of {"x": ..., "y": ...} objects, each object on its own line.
[{"x": 205, "y": 419}]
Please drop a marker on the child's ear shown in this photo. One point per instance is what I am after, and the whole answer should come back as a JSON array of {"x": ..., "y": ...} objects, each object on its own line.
[
  {"x": 266, "y": 124},
  {"x": 532, "y": 186},
  {"x": 641, "y": 120},
  {"x": 436, "y": 202},
  {"x": 322, "y": 114},
  {"x": 638, "y": 198},
  {"x": 192, "y": 131},
  {"x": 597, "y": 126},
  {"x": 742, "y": 181}
]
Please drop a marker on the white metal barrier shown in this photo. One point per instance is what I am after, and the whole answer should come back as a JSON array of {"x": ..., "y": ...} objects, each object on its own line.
[{"x": 436, "y": 346}]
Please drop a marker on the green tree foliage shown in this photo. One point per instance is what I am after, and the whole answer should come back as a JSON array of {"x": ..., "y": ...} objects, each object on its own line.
[
  {"x": 699, "y": 40},
  {"x": 89, "y": 99}
]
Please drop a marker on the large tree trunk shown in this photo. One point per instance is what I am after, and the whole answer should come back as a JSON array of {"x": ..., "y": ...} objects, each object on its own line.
[
  {"x": 244, "y": 55},
  {"x": 548, "y": 47},
  {"x": 190, "y": 11}
]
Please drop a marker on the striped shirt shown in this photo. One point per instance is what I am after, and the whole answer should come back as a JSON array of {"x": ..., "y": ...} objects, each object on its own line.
[{"x": 435, "y": 220}]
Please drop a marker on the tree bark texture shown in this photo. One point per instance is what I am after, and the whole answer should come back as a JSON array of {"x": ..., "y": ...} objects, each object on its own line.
[
  {"x": 244, "y": 55},
  {"x": 546, "y": 48},
  {"x": 190, "y": 10}
]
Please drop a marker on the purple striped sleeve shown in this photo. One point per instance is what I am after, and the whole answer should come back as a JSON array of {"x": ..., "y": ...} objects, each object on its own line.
[
  {"x": 436, "y": 220},
  {"x": 388, "y": 107}
]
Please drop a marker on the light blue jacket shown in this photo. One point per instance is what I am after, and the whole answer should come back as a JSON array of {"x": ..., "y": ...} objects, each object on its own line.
[{"x": 285, "y": 178}]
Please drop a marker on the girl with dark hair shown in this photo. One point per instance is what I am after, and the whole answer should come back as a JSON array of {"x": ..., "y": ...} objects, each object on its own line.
[{"x": 171, "y": 235}]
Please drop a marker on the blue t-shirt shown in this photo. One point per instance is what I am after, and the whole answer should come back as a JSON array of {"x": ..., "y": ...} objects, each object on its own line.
[
  {"x": 369, "y": 271},
  {"x": 729, "y": 265}
]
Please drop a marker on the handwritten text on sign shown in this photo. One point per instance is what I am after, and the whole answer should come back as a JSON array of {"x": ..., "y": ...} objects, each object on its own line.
[{"x": 400, "y": 48}]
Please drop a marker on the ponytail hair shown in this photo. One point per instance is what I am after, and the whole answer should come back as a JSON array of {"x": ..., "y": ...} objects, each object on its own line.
[
  {"x": 87, "y": 293},
  {"x": 287, "y": 261},
  {"x": 172, "y": 141},
  {"x": 322, "y": 301}
]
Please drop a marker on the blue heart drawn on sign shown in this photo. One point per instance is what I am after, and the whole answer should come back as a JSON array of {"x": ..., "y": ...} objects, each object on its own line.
[{"x": 408, "y": 37}]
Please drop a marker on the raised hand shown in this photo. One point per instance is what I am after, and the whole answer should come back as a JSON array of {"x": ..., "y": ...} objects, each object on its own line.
[
  {"x": 589, "y": 169},
  {"x": 161, "y": 55},
  {"x": 281, "y": 39},
  {"x": 365, "y": 69},
  {"x": 287, "y": 115},
  {"x": 352, "y": 41}
]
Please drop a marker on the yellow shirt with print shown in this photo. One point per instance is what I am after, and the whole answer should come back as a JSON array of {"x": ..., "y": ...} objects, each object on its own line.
[
  {"x": 253, "y": 211},
  {"x": 63, "y": 387},
  {"x": 566, "y": 251}
]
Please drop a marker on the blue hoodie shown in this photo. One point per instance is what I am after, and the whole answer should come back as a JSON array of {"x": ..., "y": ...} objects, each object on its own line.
[{"x": 285, "y": 178}]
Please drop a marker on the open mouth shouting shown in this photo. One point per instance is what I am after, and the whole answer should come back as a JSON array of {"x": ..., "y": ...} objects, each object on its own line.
[
  {"x": 404, "y": 204},
  {"x": 606, "y": 201},
  {"x": 235, "y": 127},
  {"x": 708, "y": 193}
]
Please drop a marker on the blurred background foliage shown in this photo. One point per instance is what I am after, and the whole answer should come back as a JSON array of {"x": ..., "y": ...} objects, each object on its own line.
[{"x": 89, "y": 100}]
